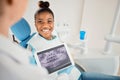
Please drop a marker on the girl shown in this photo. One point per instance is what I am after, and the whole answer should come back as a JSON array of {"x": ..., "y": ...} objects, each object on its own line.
[{"x": 46, "y": 38}]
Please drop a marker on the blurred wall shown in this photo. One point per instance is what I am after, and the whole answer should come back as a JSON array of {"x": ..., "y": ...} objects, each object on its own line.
[{"x": 94, "y": 16}]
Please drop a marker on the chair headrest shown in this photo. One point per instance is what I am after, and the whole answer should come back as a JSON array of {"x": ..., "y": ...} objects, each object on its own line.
[{"x": 21, "y": 29}]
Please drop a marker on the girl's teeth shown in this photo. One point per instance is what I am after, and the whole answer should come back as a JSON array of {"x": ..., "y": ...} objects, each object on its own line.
[{"x": 45, "y": 30}]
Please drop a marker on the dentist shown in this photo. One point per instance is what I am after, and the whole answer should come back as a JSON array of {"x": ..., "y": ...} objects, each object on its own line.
[{"x": 14, "y": 60}]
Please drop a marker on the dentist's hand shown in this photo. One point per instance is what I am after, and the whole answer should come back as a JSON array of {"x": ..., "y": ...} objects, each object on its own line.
[{"x": 63, "y": 76}]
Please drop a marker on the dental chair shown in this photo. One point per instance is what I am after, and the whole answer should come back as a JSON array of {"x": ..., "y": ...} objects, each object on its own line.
[{"x": 21, "y": 30}]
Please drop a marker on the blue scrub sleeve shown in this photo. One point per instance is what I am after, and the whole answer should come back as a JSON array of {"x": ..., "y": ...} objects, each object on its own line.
[{"x": 31, "y": 58}]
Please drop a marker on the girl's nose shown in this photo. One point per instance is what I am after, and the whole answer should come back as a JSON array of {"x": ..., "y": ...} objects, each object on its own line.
[{"x": 45, "y": 24}]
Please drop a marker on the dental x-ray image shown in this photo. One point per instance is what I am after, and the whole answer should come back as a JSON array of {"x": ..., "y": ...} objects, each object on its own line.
[{"x": 55, "y": 58}]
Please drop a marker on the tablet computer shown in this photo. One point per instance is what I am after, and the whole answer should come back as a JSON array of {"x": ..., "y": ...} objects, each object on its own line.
[{"x": 55, "y": 58}]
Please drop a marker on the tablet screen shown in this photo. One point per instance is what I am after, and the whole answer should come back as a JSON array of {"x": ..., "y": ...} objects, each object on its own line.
[{"x": 54, "y": 59}]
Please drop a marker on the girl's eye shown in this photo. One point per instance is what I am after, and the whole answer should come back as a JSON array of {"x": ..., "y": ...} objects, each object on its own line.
[
  {"x": 49, "y": 21},
  {"x": 40, "y": 21}
]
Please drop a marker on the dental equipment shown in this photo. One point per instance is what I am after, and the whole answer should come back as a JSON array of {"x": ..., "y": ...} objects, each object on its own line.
[{"x": 111, "y": 37}]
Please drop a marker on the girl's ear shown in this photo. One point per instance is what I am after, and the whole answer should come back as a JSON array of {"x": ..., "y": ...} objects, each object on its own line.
[
  {"x": 3, "y": 4},
  {"x": 10, "y": 2}
]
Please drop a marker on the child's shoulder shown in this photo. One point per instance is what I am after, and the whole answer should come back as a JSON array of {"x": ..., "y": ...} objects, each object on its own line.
[{"x": 33, "y": 38}]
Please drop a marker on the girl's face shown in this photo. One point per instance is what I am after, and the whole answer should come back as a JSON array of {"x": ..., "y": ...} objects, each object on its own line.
[{"x": 44, "y": 23}]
